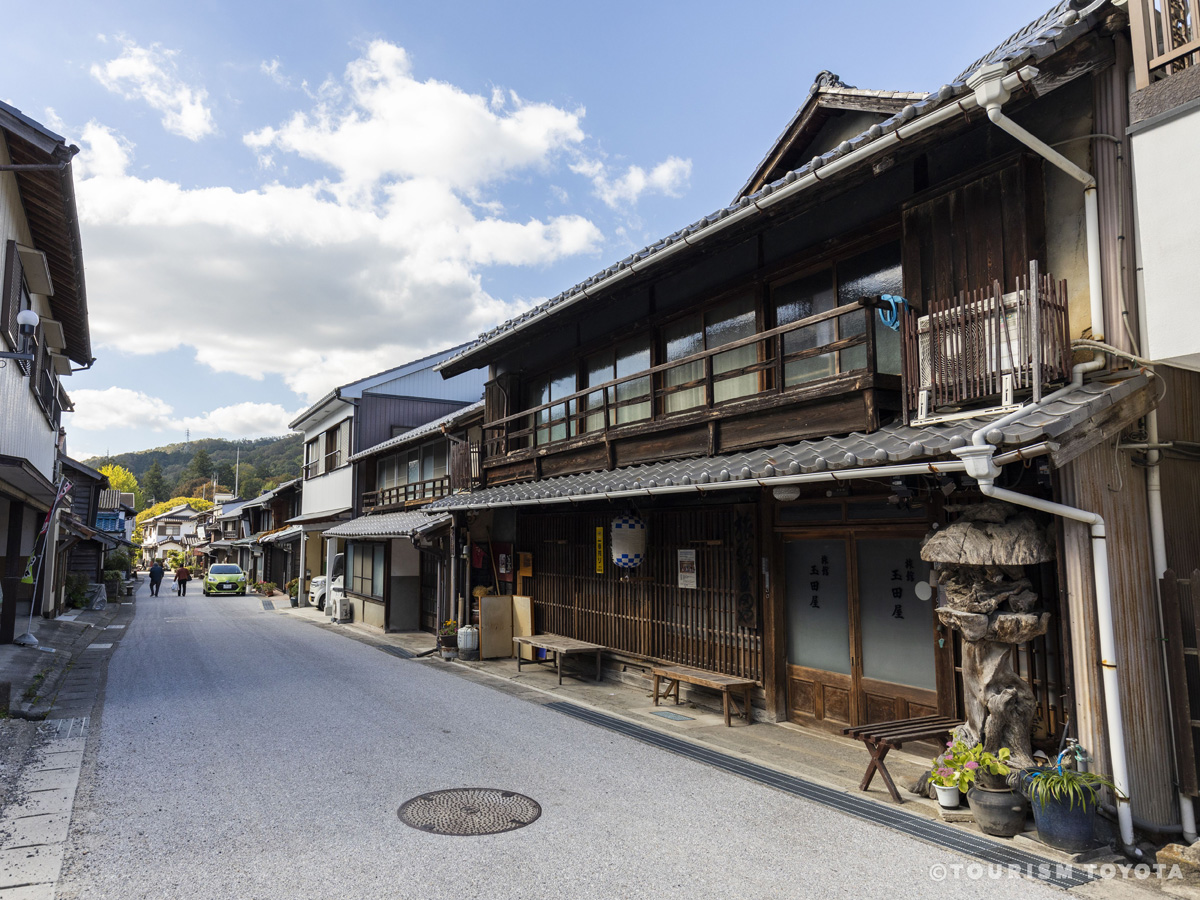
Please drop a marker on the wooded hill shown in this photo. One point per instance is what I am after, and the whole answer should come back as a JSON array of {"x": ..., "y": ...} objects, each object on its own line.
[{"x": 267, "y": 458}]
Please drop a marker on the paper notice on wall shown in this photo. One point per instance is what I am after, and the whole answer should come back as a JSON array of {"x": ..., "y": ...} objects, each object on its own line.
[{"x": 687, "y": 569}]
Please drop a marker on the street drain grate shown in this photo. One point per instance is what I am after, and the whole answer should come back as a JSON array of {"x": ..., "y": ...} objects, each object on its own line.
[
  {"x": 267, "y": 604},
  {"x": 469, "y": 811},
  {"x": 1038, "y": 867},
  {"x": 674, "y": 717}
]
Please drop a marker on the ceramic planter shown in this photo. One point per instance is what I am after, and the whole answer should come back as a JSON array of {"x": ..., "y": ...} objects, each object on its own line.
[
  {"x": 1072, "y": 829},
  {"x": 998, "y": 811},
  {"x": 948, "y": 797}
]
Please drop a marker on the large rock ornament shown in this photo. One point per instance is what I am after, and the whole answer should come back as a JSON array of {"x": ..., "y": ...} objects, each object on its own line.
[{"x": 982, "y": 557}]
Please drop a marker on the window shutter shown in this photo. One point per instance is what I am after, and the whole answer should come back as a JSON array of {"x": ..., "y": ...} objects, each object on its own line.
[{"x": 14, "y": 277}]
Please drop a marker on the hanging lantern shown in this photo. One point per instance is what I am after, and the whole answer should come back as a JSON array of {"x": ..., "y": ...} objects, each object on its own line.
[{"x": 628, "y": 541}]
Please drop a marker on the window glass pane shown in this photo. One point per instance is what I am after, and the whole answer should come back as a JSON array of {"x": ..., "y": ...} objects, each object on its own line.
[
  {"x": 682, "y": 339},
  {"x": 818, "y": 615},
  {"x": 439, "y": 460},
  {"x": 377, "y": 572},
  {"x": 874, "y": 272},
  {"x": 897, "y": 627},
  {"x": 413, "y": 474},
  {"x": 600, "y": 369},
  {"x": 798, "y": 299},
  {"x": 562, "y": 385},
  {"x": 632, "y": 357},
  {"x": 732, "y": 321}
]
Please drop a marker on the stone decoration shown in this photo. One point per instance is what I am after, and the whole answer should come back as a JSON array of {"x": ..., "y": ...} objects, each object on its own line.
[{"x": 981, "y": 559}]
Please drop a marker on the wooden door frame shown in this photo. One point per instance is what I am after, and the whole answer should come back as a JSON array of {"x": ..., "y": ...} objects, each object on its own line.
[{"x": 851, "y": 533}]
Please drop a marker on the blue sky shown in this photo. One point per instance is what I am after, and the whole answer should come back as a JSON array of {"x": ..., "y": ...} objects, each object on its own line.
[{"x": 278, "y": 198}]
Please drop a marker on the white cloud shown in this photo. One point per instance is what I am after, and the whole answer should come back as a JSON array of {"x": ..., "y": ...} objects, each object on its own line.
[
  {"x": 150, "y": 74},
  {"x": 669, "y": 177},
  {"x": 117, "y": 407},
  {"x": 329, "y": 280}
]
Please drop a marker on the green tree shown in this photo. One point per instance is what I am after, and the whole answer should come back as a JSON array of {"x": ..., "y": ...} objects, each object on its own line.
[
  {"x": 154, "y": 486},
  {"x": 225, "y": 474},
  {"x": 201, "y": 465}
]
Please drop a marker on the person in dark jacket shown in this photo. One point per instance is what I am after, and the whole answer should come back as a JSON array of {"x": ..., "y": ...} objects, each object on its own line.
[
  {"x": 156, "y": 577},
  {"x": 182, "y": 576}
]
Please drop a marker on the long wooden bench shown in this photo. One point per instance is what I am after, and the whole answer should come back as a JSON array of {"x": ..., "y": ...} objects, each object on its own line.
[
  {"x": 726, "y": 684},
  {"x": 880, "y": 737},
  {"x": 560, "y": 646}
]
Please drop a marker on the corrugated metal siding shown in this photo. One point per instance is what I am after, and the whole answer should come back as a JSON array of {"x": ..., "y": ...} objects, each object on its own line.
[
  {"x": 467, "y": 387},
  {"x": 1179, "y": 420},
  {"x": 377, "y": 414},
  {"x": 1107, "y": 482}
]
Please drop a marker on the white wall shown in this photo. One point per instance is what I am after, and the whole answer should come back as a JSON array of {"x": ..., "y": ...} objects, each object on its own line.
[
  {"x": 24, "y": 430},
  {"x": 334, "y": 490},
  {"x": 1167, "y": 195}
]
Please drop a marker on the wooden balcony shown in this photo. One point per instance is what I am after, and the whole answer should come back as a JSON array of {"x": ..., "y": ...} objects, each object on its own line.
[
  {"x": 403, "y": 496},
  {"x": 820, "y": 361},
  {"x": 985, "y": 348},
  {"x": 1164, "y": 36}
]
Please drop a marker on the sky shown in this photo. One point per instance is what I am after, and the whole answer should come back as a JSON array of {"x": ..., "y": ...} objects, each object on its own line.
[{"x": 278, "y": 198}]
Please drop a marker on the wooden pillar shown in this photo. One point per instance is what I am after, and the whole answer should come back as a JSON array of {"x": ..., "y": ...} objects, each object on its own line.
[
  {"x": 774, "y": 662},
  {"x": 13, "y": 570}
]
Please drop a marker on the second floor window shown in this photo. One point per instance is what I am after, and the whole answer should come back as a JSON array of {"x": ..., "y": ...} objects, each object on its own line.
[{"x": 427, "y": 463}]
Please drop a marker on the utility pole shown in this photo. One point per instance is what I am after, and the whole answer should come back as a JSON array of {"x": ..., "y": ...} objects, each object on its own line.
[{"x": 236, "y": 473}]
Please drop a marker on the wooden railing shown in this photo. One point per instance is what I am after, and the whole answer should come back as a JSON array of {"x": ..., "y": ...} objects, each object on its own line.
[
  {"x": 696, "y": 382},
  {"x": 1164, "y": 35},
  {"x": 406, "y": 494},
  {"x": 465, "y": 468},
  {"x": 986, "y": 345}
]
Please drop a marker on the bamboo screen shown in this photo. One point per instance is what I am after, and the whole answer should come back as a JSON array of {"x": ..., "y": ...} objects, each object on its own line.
[{"x": 715, "y": 626}]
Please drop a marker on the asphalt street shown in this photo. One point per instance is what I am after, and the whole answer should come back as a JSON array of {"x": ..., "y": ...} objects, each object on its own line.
[{"x": 241, "y": 753}]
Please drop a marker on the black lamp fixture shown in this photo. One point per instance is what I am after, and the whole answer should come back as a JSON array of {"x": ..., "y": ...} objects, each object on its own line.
[{"x": 27, "y": 323}]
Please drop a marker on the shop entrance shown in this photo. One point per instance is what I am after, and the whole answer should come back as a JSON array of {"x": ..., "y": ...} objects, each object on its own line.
[{"x": 861, "y": 645}]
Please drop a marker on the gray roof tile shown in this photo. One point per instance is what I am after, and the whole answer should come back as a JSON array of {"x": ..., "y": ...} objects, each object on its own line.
[{"x": 388, "y": 525}]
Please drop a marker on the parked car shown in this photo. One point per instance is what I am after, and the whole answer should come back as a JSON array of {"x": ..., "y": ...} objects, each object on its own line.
[
  {"x": 317, "y": 590},
  {"x": 225, "y": 578}
]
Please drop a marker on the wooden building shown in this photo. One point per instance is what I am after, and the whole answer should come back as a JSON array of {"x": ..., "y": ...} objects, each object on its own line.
[{"x": 777, "y": 391}]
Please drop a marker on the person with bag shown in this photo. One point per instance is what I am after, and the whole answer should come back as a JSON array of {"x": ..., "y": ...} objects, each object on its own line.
[
  {"x": 182, "y": 576},
  {"x": 156, "y": 577}
]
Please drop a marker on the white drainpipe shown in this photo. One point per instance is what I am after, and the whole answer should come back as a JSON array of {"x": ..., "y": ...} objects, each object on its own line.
[{"x": 993, "y": 86}]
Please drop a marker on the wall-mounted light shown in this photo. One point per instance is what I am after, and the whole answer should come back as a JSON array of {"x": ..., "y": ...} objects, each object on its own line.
[{"x": 27, "y": 323}]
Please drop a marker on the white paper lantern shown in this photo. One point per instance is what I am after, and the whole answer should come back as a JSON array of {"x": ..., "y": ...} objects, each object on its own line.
[{"x": 628, "y": 541}]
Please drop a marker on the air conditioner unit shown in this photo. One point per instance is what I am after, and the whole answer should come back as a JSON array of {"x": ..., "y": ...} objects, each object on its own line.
[
  {"x": 976, "y": 341},
  {"x": 343, "y": 609}
]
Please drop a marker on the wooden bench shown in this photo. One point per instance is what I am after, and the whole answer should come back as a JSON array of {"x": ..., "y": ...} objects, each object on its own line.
[
  {"x": 880, "y": 737},
  {"x": 726, "y": 684},
  {"x": 560, "y": 646}
]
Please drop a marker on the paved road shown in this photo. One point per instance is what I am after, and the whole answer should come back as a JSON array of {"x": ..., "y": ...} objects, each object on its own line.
[{"x": 247, "y": 754}]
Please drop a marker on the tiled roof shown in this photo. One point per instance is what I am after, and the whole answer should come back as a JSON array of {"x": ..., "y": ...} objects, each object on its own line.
[
  {"x": 388, "y": 525},
  {"x": 1041, "y": 38},
  {"x": 420, "y": 431},
  {"x": 892, "y": 445}
]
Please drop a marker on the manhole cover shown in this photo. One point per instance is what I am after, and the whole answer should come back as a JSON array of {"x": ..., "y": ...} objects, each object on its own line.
[{"x": 469, "y": 811}]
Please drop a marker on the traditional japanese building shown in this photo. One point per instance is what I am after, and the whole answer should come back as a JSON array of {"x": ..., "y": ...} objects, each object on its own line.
[{"x": 786, "y": 397}]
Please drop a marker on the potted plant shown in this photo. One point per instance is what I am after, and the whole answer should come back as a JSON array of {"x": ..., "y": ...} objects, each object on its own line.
[
  {"x": 448, "y": 639},
  {"x": 1064, "y": 805},
  {"x": 998, "y": 808},
  {"x": 949, "y": 783}
]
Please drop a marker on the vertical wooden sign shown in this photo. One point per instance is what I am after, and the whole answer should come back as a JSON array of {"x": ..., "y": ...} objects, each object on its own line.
[{"x": 600, "y": 550}]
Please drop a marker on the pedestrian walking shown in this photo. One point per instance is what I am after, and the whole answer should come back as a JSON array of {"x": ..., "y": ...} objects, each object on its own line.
[
  {"x": 182, "y": 576},
  {"x": 156, "y": 577}
]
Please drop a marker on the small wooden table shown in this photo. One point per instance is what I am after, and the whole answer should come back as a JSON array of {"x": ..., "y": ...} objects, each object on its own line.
[
  {"x": 726, "y": 684},
  {"x": 560, "y": 646},
  {"x": 880, "y": 737}
]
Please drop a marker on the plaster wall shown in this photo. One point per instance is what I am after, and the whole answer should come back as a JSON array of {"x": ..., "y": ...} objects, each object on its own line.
[{"x": 1166, "y": 192}]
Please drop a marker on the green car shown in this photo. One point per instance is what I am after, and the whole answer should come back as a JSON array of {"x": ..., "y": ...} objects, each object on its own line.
[{"x": 225, "y": 579}]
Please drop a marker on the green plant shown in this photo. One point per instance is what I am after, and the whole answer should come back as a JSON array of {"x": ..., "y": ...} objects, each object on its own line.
[
  {"x": 1066, "y": 786},
  {"x": 266, "y": 588},
  {"x": 292, "y": 587},
  {"x": 958, "y": 765},
  {"x": 117, "y": 561},
  {"x": 449, "y": 628},
  {"x": 31, "y": 691},
  {"x": 76, "y": 587}
]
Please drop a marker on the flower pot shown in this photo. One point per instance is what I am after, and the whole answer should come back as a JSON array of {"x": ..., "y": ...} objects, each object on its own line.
[
  {"x": 999, "y": 812},
  {"x": 1068, "y": 828},
  {"x": 948, "y": 797}
]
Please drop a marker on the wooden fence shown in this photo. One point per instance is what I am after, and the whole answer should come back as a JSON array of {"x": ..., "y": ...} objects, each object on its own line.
[
  {"x": 1164, "y": 37},
  {"x": 1182, "y": 636},
  {"x": 643, "y": 611}
]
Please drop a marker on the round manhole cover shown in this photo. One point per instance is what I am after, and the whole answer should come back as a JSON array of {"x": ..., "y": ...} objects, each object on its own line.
[{"x": 469, "y": 811}]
